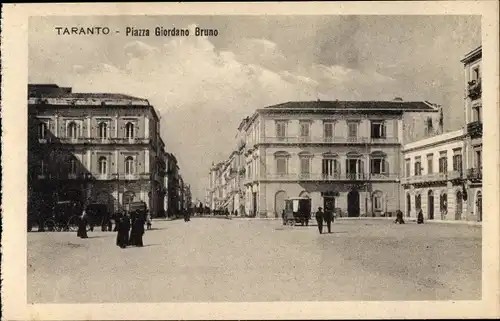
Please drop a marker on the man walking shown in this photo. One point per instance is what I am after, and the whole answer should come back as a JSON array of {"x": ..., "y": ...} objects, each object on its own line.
[
  {"x": 328, "y": 216},
  {"x": 319, "y": 219}
]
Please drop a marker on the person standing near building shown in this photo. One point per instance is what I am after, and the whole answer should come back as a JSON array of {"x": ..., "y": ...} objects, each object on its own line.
[
  {"x": 328, "y": 217},
  {"x": 420, "y": 217},
  {"x": 122, "y": 237},
  {"x": 319, "y": 219},
  {"x": 82, "y": 225}
]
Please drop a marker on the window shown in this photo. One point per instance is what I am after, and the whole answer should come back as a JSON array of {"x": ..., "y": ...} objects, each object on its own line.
[
  {"x": 430, "y": 161},
  {"x": 479, "y": 164},
  {"x": 304, "y": 129},
  {"x": 42, "y": 130},
  {"x": 476, "y": 113},
  {"x": 281, "y": 129},
  {"x": 378, "y": 129},
  {"x": 443, "y": 202},
  {"x": 305, "y": 165},
  {"x": 457, "y": 162},
  {"x": 103, "y": 130},
  {"x": 73, "y": 130},
  {"x": 407, "y": 168},
  {"x": 443, "y": 163},
  {"x": 475, "y": 74},
  {"x": 352, "y": 130},
  {"x": 330, "y": 167},
  {"x": 103, "y": 165},
  {"x": 129, "y": 130},
  {"x": 72, "y": 166},
  {"x": 129, "y": 165},
  {"x": 328, "y": 131},
  {"x": 377, "y": 202},
  {"x": 281, "y": 168},
  {"x": 378, "y": 166},
  {"x": 418, "y": 166}
]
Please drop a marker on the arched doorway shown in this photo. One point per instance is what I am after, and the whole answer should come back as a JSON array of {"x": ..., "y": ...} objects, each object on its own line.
[
  {"x": 279, "y": 203},
  {"x": 430, "y": 205},
  {"x": 408, "y": 204},
  {"x": 418, "y": 202},
  {"x": 458, "y": 206},
  {"x": 353, "y": 204},
  {"x": 443, "y": 205},
  {"x": 479, "y": 206}
]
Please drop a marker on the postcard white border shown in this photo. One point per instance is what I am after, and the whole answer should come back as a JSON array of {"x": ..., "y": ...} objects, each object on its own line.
[{"x": 14, "y": 87}]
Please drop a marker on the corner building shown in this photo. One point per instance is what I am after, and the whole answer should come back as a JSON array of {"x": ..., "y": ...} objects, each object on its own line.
[
  {"x": 474, "y": 132},
  {"x": 344, "y": 155},
  {"x": 93, "y": 147}
]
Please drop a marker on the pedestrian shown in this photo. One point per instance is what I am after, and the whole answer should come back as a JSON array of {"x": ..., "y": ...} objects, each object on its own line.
[
  {"x": 420, "y": 217},
  {"x": 319, "y": 219},
  {"x": 148, "y": 221},
  {"x": 399, "y": 217},
  {"x": 236, "y": 213},
  {"x": 82, "y": 226},
  {"x": 283, "y": 217},
  {"x": 328, "y": 217},
  {"x": 116, "y": 217},
  {"x": 133, "y": 231},
  {"x": 122, "y": 237}
]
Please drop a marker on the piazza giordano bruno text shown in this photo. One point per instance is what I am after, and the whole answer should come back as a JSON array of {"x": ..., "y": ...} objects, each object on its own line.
[{"x": 137, "y": 32}]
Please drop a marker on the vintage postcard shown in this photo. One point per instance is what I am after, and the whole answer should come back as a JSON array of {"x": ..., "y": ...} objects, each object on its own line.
[{"x": 250, "y": 160}]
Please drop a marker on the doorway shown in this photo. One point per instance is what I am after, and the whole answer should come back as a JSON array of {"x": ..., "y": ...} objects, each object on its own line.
[
  {"x": 254, "y": 204},
  {"x": 353, "y": 204},
  {"x": 430, "y": 205},
  {"x": 279, "y": 203},
  {"x": 458, "y": 206},
  {"x": 408, "y": 204},
  {"x": 479, "y": 206}
]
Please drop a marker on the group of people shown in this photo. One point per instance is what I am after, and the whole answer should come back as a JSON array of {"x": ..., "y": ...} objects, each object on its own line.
[
  {"x": 129, "y": 228},
  {"x": 400, "y": 219},
  {"x": 326, "y": 217}
]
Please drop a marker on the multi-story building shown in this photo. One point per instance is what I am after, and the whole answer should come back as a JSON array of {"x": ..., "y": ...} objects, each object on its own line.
[
  {"x": 433, "y": 177},
  {"x": 94, "y": 148},
  {"x": 172, "y": 185},
  {"x": 344, "y": 155},
  {"x": 474, "y": 132}
]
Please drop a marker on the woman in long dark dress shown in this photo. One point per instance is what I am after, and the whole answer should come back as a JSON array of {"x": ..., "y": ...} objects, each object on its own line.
[
  {"x": 133, "y": 230},
  {"x": 139, "y": 229},
  {"x": 122, "y": 238},
  {"x": 82, "y": 226}
]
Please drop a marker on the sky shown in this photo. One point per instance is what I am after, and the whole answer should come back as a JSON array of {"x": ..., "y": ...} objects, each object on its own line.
[{"x": 203, "y": 86}]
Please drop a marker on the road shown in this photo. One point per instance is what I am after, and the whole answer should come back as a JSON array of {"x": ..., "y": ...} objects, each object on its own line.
[{"x": 238, "y": 260}]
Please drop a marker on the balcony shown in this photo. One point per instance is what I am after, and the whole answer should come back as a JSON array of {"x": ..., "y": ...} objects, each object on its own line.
[
  {"x": 475, "y": 174},
  {"x": 454, "y": 175},
  {"x": 329, "y": 140},
  {"x": 345, "y": 177},
  {"x": 429, "y": 178},
  {"x": 474, "y": 89},
  {"x": 475, "y": 129}
]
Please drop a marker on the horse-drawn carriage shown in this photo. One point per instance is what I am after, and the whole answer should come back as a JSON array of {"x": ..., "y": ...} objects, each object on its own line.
[
  {"x": 65, "y": 216},
  {"x": 297, "y": 210}
]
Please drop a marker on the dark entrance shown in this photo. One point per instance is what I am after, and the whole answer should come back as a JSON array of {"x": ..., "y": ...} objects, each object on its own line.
[
  {"x": 254, "y": 204},
  {"x": 408, "y": 205},
  {"x": 430, "y": 205},
  {"x": 353, "y": 204}
]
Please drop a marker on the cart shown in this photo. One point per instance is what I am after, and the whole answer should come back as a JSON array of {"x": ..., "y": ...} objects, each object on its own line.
[
  {"x": 297, "y": 210},
  {"x": 65, "y": 217}
]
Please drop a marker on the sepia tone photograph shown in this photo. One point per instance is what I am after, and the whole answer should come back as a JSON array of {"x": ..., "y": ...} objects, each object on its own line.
[{"x": 198, "y": 158}]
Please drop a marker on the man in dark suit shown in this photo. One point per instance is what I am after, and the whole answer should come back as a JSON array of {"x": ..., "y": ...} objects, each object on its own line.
[
  {"x": 319, "y": 219},
  {"x": 328, "y": 216}
]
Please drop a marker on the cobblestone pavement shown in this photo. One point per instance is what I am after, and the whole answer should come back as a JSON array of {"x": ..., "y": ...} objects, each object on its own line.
[{"x": 259, "y": 260}]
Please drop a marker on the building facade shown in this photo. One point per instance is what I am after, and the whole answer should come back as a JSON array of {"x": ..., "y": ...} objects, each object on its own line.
[
  {"x": 172, "y": 185},
  {"x": 433, "y": 178},
  {"x": 474, "y": 132},
  {"x": 93, "y": 148},
  {"x": 345, "y": 156}
]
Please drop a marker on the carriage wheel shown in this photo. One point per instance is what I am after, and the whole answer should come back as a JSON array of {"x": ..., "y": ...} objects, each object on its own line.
[
  {"x": 50, "y": 225},
  {"x": 73, "y": 224},
  {"x": 291, "y": 222}
]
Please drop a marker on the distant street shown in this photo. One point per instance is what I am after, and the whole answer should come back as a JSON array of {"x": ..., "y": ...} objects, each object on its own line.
[{"x": 211, "y": 259}]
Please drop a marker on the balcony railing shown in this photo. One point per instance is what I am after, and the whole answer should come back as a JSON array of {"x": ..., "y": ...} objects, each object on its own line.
[
  {"x": 454, "y": 175},
  {"x": 434, "y": 177},
  {"x": 475, "y": 129},
  {"x": 329, "y": 177},
  {"x": 329, "y": 140},
  {"x": 95, "y": 140},
  {"x": 475, "y": 173}
]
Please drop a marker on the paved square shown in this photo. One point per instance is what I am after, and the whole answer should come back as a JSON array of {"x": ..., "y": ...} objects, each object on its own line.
[{"x": 259, "y": 260}]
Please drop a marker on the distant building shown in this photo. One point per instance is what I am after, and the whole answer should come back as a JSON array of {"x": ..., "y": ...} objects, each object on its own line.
[
  {"x": 434, "y": 177},
  {"x": 474, "y": 132},
  {"x": 93, "y": 148},
  {"x": 172, "y": 185},
  {"x": 344, "y": 155}
]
